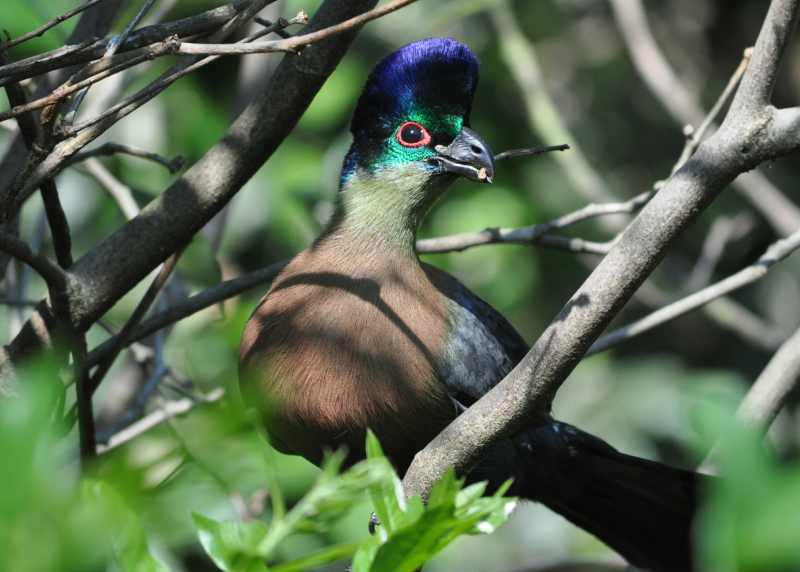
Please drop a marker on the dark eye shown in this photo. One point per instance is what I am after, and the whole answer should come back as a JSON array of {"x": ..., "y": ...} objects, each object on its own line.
[{"x": 412, "y": 134}]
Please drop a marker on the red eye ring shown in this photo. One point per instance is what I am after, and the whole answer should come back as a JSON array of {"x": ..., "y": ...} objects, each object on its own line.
[{"x": 412, "y": 134}]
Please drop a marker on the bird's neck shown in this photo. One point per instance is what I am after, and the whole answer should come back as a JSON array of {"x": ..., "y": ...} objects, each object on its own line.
[{"x": 379, "y": 212}]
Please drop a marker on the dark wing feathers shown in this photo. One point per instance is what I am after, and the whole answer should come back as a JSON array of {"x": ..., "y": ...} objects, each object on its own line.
[{"x": 481, "y": 345}]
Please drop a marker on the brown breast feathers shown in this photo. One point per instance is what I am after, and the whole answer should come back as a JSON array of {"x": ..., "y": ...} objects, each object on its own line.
[{"x": 335, "y": 347}]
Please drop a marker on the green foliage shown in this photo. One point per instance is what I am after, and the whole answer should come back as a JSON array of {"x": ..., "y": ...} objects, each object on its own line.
[
  {"x": 409, "y": 533},
  {"x": 751, "y": 522},
  {"x": 52, "y": 519},
  {"x": 49, "y": 518}
]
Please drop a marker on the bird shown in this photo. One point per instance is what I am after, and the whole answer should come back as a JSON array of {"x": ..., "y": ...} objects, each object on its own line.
[{"x": 357, "y": 333}]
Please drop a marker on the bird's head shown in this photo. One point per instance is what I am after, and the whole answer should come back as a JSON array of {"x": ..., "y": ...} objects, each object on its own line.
[{"x": 411, "y": 135}]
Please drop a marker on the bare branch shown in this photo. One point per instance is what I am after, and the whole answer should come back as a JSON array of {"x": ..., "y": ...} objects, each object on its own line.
[
  {"x": 169, "y": 410},
  {"x": 94, "y": 73},
  {"x": 121, "y": 194},
  {"x": 46, "y": 26},
  {"x": 653, "y": 67},
  {"x": 192, "y": 305},
  {"x": 85, "y": 52},
  {"x": 52, "y": 274},
  {"x": 76, "y": 137},
  {"x": 759, "y": 79},
  {"x": 529, "y": 151},
  {"x": 171, "y": 219},
  {"x": 696, "y": 136},
  {"x": 538, "y": 233},
  {"x": 774, "y": 254},
  {"x": 123, "y": 337},
  {"x": 32, "y": 135},
  {"x": 768, "y": 394},
  {"x": 111, "y": 49},
  {"x": 295, "y": 43},
  {"x": 173, "y": 165}
]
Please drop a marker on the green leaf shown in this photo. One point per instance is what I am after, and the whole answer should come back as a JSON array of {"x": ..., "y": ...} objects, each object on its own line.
[
  {"x": 387, "y": 496},
  {"x": 324, "y": 556},
  {"x": 128, "y": 538},
  {"x": 418, "y": 532},
  {"x": 329, "y": 499},
  {"x": 231, "y": 545}
]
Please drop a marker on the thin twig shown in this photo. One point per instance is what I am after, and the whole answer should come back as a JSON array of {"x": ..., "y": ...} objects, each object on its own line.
[
  {"x": 295, "y": 43},
  {"x": 769, "y": 393},
  {"x": 46, "y": 26},
  {"x": 694, "y": 137},
  {"x": 166, "y": 412},
  {"x": 774, "y": 254},
  {"x": 529, "y": 151},
  {"x": 51, "y": 272},
  {"x": 118, "y": 191},
  {"x": 94, "y": 73},
  {"x": 111, "y": 49},
  {"x": 665, "y": 84},
  {"x": 87, "y": 51},
  {"x": 191, "y": 305},
  {"x": 123, "y": 338},
  {"x": 127, "y": 106},
  {"x": 173, "y": 165},
  {"x": 73, "y": 141},
  {"x": 537, "y": 233}
]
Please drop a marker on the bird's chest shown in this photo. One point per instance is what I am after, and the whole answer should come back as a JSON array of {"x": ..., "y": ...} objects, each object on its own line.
[{"x": 336, "y": 353}]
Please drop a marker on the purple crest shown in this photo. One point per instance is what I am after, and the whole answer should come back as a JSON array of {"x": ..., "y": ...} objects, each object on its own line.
[{"x": 436, "y": 73}]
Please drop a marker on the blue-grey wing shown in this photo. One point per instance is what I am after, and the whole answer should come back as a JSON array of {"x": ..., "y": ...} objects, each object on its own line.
[{"x": 481, "y": 345}]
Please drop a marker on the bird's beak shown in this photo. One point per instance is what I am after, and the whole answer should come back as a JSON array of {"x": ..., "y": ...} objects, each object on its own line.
[{"x": 468, "y": 156}]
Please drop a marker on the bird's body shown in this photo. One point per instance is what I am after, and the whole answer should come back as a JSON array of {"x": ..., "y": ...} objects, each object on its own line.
[
  {"x": 357, "y": 333},
  {"x": 324, "y": 328}
]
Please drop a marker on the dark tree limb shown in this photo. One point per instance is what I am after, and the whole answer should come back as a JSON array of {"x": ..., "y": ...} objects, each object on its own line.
[{"x": 127, "y": 256}]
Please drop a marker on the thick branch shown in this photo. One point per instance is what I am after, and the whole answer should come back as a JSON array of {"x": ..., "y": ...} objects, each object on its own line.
[
  {"x": 762, "y": 73},
  {"x": 529, "y": 389}
]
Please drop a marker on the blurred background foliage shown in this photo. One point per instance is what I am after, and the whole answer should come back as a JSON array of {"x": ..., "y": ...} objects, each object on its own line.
[{"x": 666, "y": 395}]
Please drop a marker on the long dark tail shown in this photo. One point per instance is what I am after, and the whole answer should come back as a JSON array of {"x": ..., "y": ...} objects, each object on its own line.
[{"x": 642, "y": 509}]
